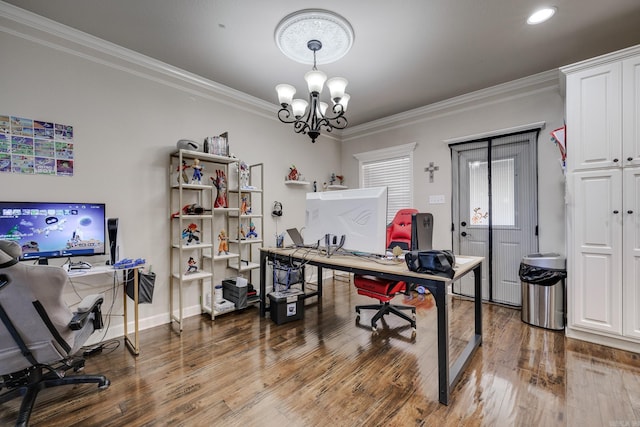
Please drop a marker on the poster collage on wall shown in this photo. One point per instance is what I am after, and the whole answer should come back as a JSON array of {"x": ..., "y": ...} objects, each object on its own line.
[{"x": 35, "y": 147}]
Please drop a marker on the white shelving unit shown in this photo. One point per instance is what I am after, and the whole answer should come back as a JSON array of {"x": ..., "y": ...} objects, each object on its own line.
[
  {"x": 248, "y": 222},
  {"x": 207, "y": 223}
]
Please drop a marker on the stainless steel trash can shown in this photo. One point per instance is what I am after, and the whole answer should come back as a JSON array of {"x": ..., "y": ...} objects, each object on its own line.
[{"x": 542, "y": 276}]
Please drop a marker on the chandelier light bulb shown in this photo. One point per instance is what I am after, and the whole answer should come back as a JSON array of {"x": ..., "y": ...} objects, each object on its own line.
[
  {"x": 344, "y": 101},
  {"x": 299, "y": 106},
  {"x": 336, "y": 86},
  {"x": 315, "y": 80},
  {"x": 285, "y": 93},
  {"x": 323, "y": 107}
]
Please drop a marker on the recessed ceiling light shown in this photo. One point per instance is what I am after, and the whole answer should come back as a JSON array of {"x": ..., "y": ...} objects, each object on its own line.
[{"x": 541, "y": 15}]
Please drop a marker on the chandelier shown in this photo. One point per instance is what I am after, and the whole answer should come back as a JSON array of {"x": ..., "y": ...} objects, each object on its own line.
[{"x": 314, "y": 26}]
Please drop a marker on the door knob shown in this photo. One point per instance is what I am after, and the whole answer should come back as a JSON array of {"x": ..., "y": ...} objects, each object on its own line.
[
  {"x": 629, "y": 212},
  {"x": 616, "y": 211},
  {"x": 629, "y": 159},
  {"x": 615, "y": 160},
  {"x": 463, "y": 234}
]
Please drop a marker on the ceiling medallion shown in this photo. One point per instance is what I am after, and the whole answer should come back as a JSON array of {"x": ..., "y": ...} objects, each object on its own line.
[{"x": 332, "y": 30}]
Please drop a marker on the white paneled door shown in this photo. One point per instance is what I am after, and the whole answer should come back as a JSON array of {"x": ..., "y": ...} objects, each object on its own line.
[{"x": 495, "y": 213}]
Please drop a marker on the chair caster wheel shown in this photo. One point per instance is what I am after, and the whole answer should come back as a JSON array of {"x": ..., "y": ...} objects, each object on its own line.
[
  {"x": 104, "y": 385},
  {"x": 374, "y": 330},
  {"x": 357, "y": 320},
  {"x": 413, "y": 333}
]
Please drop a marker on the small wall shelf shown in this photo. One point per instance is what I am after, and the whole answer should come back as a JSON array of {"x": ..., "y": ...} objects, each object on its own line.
[
  {"x": 290, "y": 182},
  {"x": 337, "y": 187}
]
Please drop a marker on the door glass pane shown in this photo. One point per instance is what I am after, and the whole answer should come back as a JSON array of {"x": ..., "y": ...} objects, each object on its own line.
[
  {"x": 502, "y": 183},
  {"x": 502, "y": 190}
]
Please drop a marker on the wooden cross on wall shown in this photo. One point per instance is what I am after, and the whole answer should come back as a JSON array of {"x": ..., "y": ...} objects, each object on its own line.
[{"x": 431, "y": 169}]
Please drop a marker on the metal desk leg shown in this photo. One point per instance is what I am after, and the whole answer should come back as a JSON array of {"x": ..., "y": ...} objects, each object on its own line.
[
  {"x": 263, "y": 283},
  {"x": 443, "y": 344},
  {"x": 134, "y": 347}
]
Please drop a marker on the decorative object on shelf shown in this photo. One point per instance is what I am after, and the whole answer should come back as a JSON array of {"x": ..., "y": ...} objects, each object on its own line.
[
  {"x": 332, "y": 179},
  {"x": 220, "y": 182},
  {"x": 252, "y": 231},
  {"x": 318, "y": 28},
  {"x": 245, "y": 206},
  {"x": 223, "y": 245},
  {"x": 340, "y": 179},
  {"x": 218, "y": 145},
  {"x": 280, "y": 240},
  {"x": 190, "y": 209},
  {"x": 293, "y": 173},
  {"x": 189, "y": 234},
  {"x": 315, "y": 186},
  {"x": 187, "y": 144},
  {"x": 192, "y": 266},
  {"x": 243, "y": 235},
  {"x": 197, "y": 172},
  {"x": 182, "y": 172},
  {"x": 244, "y": 174}
]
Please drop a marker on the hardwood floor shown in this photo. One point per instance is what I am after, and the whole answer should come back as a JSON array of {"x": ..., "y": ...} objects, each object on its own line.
[{"x": 241, "y": 370}]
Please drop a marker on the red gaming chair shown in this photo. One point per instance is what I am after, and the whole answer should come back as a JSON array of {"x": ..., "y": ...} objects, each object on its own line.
[{"x": 398, "y": 234}]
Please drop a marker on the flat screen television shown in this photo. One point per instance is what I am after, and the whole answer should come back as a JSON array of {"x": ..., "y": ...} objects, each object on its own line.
[
  {"x": 358, "y": 214},
  {"x": 54, "y": 230}
]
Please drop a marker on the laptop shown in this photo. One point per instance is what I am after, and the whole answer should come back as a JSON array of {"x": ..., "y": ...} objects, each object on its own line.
[{"x": 296, "y": 237}]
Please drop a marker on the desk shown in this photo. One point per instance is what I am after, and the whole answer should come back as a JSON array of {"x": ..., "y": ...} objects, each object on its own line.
[
  {"x": 133, "y": 346},
  {"x": 448, "y": 375}
]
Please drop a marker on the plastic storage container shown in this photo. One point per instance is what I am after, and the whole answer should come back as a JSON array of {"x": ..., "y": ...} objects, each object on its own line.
[{"x": 542, "y": 276}]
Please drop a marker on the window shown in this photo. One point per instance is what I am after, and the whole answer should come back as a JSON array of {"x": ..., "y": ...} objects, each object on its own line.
[{"x": 391, "y": 168}]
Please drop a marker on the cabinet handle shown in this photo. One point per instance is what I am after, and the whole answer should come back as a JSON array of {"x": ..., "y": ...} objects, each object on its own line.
[
  {"x": 615, "y": 212},
  {"x": 615, "y": 160},
  {"x": 629, "y": 212},
  {"x": 629, "y": 159}
]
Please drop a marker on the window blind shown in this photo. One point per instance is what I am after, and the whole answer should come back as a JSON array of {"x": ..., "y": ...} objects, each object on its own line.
[{"x": 395, "y": 174}]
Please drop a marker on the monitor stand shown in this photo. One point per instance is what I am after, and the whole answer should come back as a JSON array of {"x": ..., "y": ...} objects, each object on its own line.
[{"x": 43, "y": 261}]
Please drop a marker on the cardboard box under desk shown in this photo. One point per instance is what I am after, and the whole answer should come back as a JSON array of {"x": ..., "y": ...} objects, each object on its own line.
[
  {"x": 286, "y": 306},
  {"x": 232, "y": 292}
]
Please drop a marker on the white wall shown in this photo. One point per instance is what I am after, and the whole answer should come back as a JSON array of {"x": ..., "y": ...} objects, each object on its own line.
[
  {"x": 532, "y": 100},
  {"x": 127, "y": 119}
]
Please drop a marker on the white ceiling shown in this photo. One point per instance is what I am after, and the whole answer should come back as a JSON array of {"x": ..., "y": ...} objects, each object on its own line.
[{"x": 406, "y": 53}]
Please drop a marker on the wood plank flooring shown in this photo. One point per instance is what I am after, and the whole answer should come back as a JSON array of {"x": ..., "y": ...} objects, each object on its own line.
[{"x": 325, "y": 370}]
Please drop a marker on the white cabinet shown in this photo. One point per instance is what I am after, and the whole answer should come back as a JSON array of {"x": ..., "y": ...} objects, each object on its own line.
[
  {"x": 631, "y": 252},
  {"x": 603, "y": 199},
  {"x": 595, "y": 267}
]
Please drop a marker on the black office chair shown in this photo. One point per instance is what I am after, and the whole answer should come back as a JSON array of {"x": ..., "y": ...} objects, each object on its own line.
[
  {"x": 39, "y": 335},
  {"x": 410, "y": 230}
]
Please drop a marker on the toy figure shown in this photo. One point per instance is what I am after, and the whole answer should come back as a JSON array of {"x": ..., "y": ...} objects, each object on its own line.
[
  {"x": 182, "y": 172},
  {"x": 189, "y": 233},
  {"x": 245, "y": 209},
  {"x": 315, "y": 186},
  {"x": 252, "y": 231},
  {"x": 197, "y": 172},
  {"x": 293, "y": 173},
  {"x": 224, "y": 243},
  {"x": 242, "y": 234},
  {"x": 192, "y": 266},
  {"x": 332, "y": 179},
  {"x": 340, "y": 178},
  {"x": 244, "y": 174},
  {"x": 220, "y": 182}
]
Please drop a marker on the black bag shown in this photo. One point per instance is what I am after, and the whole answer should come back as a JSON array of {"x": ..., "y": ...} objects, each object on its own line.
[
  {"x": 146, "y": 283},
  {"x": 435, "y": 262}
]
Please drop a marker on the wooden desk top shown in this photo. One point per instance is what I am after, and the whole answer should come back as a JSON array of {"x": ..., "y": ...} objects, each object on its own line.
[{"x": 463, "y": 263}]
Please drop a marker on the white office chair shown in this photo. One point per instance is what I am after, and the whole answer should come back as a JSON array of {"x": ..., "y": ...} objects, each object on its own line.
[{"x": 39, "y": 335}]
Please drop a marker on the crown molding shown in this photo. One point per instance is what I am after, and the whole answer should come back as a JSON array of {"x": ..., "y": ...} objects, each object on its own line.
[
  {"x": 53, "y": 34},
  {"x": 547, "y": 80}
]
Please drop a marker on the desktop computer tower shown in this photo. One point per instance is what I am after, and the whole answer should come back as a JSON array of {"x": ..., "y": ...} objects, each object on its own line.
[{"x": 114, "y": 247}]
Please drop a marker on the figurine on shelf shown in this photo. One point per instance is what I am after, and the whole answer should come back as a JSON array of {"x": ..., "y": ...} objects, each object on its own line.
[
  {"x": 293, "y": 173},
  {"x": 220, "y": 182},
  {"x": 245, "y": 208},
  {"x": 242, "y": 233},
  {"x": 192, "y": 266},
  {"x": 252, "y": 231},
  {"x": 332, "y": 179},
  {"x": 182, "y": 171},
  {"x": 324, "y": 186},
  {"x": 244, "y": 174},
  {"x": 341, "y": 179},
  {"x": 189, "y": 233},
  {"x": 224, "y": 243},
  {"x": 197, "y": 172},
  {"x": 315, "y": 186}
]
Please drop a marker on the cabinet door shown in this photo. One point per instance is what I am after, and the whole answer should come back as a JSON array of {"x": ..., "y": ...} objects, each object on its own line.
[
  {"x": 594, "y": 123},
  {"x": 631, "y": 111},
  {"x": 595, "y": 289},
  {"x": 631, "y": 257}
]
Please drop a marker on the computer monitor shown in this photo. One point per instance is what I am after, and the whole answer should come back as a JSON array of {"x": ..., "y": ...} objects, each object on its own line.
[
  {"x": 53, "y": 230},
  {"x": 358, "y": 214}
]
